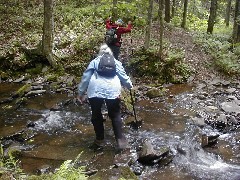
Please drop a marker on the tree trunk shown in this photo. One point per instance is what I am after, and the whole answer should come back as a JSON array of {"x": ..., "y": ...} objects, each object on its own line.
[
  {"x": 167, "y": 17},
  {"x": 160, "y": 18},
  {"x": 47, "y": 38},
  {"x": 114, "y": 11},
  {"x": 236, "y": 26},
  {"x": 149, "y": 25},
  {"x": 228, "y": 12},
  {"x": 212, "y": 16},
  {"x": 173, "y": 8},
  {"x": 184, "y": 20}
]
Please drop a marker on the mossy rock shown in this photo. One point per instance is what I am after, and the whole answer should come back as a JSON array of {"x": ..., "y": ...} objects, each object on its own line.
[
  {"x": 154, "y": 93},
  {"x": 23, "y": 90},
  {"x": 21, "y": 100},
  {"x": 4, "y": 76},
  {"x": 52, "y": 77}
]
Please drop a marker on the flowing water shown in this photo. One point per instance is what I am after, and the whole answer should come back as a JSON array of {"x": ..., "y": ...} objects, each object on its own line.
[{"x": 55, "y": 136}]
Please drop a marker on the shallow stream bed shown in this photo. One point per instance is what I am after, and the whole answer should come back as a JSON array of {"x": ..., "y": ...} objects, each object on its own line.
[{"x": 178, "y": 122}]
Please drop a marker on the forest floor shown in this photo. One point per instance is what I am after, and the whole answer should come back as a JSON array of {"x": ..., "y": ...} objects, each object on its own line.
[{"x": 199, "y": 61}]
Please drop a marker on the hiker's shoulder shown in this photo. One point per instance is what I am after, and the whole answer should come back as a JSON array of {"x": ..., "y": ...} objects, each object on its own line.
[{"x": 118, "y": 63}]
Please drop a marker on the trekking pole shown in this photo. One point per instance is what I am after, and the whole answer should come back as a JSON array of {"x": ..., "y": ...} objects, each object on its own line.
[
  {"x": 134, "y": 112},
  {"x": 137, "y": 123}
]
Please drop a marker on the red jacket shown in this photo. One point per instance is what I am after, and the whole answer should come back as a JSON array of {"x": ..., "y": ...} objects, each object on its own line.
[{"x": 120, "y": 30}]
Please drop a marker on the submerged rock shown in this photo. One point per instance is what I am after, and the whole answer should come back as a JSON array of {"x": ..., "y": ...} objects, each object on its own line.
[
  {"x": 209, "y": 140},
  {"x": 150, "y": 156}
]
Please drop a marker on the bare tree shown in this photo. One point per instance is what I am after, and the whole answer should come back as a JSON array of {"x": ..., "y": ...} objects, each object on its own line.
[
  {"x": 228, "y": 12},
  {"x": 149, "y": 25},
  {"x": 160, "y": 18},
  {"x": 47, "y": 38},
  {"x": 185, "y": 8},
  {"x": 167, "y": 17},
  {"x": 173, "y": 8},
  {"x": 212, "y": 16},
  {"x": 114, "y": 10},
  {"x": 236, "y": 26}
]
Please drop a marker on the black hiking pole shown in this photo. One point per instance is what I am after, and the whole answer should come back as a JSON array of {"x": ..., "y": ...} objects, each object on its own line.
[{"x": 136, "y": 124}]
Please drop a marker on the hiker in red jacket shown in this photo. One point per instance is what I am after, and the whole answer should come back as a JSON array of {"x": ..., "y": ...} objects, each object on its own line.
[{"x": 120, "y": 29}]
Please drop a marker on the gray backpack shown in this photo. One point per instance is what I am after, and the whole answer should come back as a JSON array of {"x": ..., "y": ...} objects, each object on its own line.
[{"x": 107, "y": 66}]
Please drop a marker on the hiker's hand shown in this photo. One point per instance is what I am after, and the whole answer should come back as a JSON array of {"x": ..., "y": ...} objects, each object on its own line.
[{"x": 80, "y": 99}]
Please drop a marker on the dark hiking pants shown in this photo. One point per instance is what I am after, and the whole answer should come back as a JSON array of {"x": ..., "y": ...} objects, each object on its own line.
[
  {"x": 115, "y": 50},
  {"x": 113, "y": 107}
]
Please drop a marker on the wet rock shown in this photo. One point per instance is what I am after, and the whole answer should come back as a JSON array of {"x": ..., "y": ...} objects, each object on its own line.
[
  {"x": 198, "y": 121},
  {"x": 166, "y": 160},
  {"x": 229, "y": 107},
  {"x": 13, "y": 150},
  {"x": 209, "y": 102},
  {"x": 6, "y": 100},
  {"x": 149, "y": 156},
  {"x": 123, "y": 158},
  {"x": 44, "y": 169},
  {"x": 230, "y": 97},
  {"x": 226, "y": 83},
  {"x": 37, "y": 87},
  {"x": 20, "y": 136},
  {"x": 91, "y": 172},
  {"x": 232, "y": 120},
  {"x": 62, "y": 104},
  {"x": 203, "y": 96},
  {"x": 60, "y": 90},
  {"x": 201, "y": 114},
  {"x": 231, "y": 90},
  {"x": 219, "y": 125},
  {"x": 182, "y": 150},
  {"x": 35, "y": 93},
  {"x": 216, "y": 82},
  {"x": 209, "y": 140},
  {"x": 211, "y": 108},
  {"x": 201, "y": 86},
  {"x": 137, "y": 168},
  {"x": 19, "y": 80},
  {"x": 31, "y": 124},
  {"x": 222, "y": 117}
]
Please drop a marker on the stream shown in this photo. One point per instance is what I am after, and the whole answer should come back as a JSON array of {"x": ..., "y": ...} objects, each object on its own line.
[{"x": 179, "y": 120}]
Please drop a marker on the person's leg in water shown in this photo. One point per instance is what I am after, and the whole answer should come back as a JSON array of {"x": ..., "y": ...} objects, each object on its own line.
[
  {"x": 97, "y": 121},
  {"x": 115, "y": 50},
  {"x": 113, "y": 106}
]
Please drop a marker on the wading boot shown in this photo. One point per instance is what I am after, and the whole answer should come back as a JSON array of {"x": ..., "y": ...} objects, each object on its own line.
[{"x": 97, "y": 145}]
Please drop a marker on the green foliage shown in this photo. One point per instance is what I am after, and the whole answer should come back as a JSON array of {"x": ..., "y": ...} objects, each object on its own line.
[
  {"x": 172, "y": 68},
  {"x": 219, "y": 47},
  {"x": 228, "y": 63},
  {"x": 196, "y": 24},
  {"x": 25, "y": 88},
  {"x": 9, "y": 165},
  {"x": 68, "y": 171}
]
